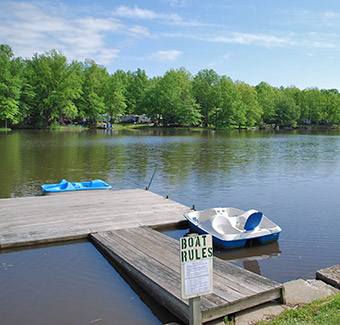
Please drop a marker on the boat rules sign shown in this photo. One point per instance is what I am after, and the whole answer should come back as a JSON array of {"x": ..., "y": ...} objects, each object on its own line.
[{"x": 196, "y": 253}]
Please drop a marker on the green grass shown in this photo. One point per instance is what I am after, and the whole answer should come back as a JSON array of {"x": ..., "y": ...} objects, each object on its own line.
[
  {"x": 5, "y": 129},
  {"x": 57, "y": 127},
  {"x": 319, "y": 312},
  {"x": 131, "y": 126},
  {"x": 128, "y": 126},
  {"x": 324, "y": 311}
]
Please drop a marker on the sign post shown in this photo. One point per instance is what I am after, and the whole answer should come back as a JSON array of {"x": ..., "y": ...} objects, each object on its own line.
[{"x": 196, "y": 254}]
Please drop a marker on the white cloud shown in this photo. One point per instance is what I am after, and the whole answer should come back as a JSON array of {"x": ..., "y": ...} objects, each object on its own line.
[
  {"x": 311, "y": 18},
  {"x": 124, "y": 11},
  {"x": 138, "y": 13},
  {"x": 98, "y": 24},
  {"x": 139, "y": 31},
  {"x": 135, "y": 12},
  {"x": 177, "y": 3},
  {"x": 247, "y": 38},
  {"x": 219, "y": 60},
  {"x": 169, "y": 55},
  {"x": 315, "y": 40},
  {"x": 331, "y": 14},
  {"x": 107, "y": 55},
  {"x": 28, "y": 28}
]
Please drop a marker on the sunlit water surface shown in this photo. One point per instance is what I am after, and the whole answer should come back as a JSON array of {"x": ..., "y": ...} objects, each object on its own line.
[{"x": 292, "y": 177}]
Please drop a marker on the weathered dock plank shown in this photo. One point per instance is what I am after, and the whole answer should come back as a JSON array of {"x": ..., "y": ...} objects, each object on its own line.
[
  {"x": 152, "y": 258},
  {"x": 31, "y": 220}
]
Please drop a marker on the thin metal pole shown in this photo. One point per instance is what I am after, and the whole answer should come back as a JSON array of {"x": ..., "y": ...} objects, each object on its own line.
[{"x": 154, "y": 172}]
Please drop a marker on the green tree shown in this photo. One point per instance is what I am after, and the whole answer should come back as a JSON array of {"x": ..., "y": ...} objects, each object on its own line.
[
  {"x": 205, "y": 91},
  {"x": 230, "y": 110},
  {"x": 151, "y": 100},
  {"x": 10, "y": 86},
  {"x": 298, "y": 97},
  {"x": 266, "y": 98},
  {"x": 115, "y": 101},
  {"x": 332, "y": 107},
  {"x": 136, "y": 86},
  {"x": 315, "y": 105},
  {"x": 174, "y": 99},
  {"x": 92, "y": 102},
  {"x": 287, "y": 112},
  {"x": 56, "y": 86},
  {"x": 253, "y": 111}
]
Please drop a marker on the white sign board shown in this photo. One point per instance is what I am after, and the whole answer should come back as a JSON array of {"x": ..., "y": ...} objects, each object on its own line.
[{"x": 196, "y": 254}]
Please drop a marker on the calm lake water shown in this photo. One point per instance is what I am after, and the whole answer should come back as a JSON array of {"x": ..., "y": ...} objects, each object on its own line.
[
  {"x": 292, "y": 177},
  {"x": 70, "y": 284}
]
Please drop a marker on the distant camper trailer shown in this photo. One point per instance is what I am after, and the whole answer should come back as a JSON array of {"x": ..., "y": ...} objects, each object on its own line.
[
  {"x": 133, "y": 119},
  {"x": 127, "y": 118},
  {"x": 144, "y": 119}
]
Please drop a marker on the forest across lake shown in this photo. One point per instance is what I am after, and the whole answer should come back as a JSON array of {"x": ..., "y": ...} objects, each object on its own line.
[{"x": 46, "y": 90}]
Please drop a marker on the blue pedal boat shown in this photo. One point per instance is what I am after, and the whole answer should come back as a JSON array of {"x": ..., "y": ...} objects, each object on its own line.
[
  {"x": 233, "y": 228},
  {"x": 65, "y": 186}
]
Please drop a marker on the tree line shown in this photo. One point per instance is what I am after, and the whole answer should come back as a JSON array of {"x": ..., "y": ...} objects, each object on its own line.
[{"x": 47, "y": 90}]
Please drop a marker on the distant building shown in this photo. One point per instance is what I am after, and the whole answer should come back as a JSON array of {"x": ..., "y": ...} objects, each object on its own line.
[{"x": 133, "y": 118}]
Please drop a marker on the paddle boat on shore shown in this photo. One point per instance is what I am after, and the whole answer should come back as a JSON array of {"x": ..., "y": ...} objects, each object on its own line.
[
  {"x": 65, "y": 186},
  {"x": 233, "y": 228}
]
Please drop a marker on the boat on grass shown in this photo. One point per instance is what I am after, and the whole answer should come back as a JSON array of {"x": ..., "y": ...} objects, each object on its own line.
[
  {"x": 233, "y": 228},
  {"x": 65, "y": 186}
]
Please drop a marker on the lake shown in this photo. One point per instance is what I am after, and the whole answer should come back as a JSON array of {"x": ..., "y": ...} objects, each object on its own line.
[
  {"x": 293, "y": 177},
  {"x": 71, "y": 284}
]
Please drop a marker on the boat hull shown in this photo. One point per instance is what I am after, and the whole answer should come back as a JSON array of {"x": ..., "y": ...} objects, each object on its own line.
[
  {"x": 269, "y": 238},
  {"x": 263, "y": 236},
  {"x": 68, "y": 187}
]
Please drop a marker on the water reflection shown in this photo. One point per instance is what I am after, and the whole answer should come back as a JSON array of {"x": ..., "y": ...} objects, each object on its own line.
[
  {"x": 252, "y": 266},
  {"x": 255, "y": 252},
  {"x": 190, "y": 160},
  {"x": 250, "y": 256}
]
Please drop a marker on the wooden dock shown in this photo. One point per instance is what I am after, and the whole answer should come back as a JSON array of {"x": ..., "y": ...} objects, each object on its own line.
[
  {"x": 152, "y": 258},
  {"x": 119, "y": 224},
  {"x": 43, "y": 219}
]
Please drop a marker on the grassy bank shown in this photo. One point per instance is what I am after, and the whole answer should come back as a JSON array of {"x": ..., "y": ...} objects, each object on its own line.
[
  {"x": 319, "y": 312},
  {"x": 127, "y": 126},
  {"x": 67, "y": 128},
  {"x": 324, "y": 311}
]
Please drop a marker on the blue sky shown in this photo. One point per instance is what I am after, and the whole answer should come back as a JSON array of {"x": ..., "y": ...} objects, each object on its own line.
[{"x": 282, "y": 42}]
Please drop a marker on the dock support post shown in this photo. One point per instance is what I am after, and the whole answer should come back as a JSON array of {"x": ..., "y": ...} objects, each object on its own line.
[
  {"x": 195, "y": 315},
  {"x": 282, "y": 300}
]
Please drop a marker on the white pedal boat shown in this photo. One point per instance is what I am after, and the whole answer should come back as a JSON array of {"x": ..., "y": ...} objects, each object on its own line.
[{"x": 232, "y": 228}]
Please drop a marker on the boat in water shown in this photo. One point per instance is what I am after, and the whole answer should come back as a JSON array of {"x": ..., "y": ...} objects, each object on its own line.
[
  {"x": 65, "y": 186},
  {"x": 233, "y": 228}
]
